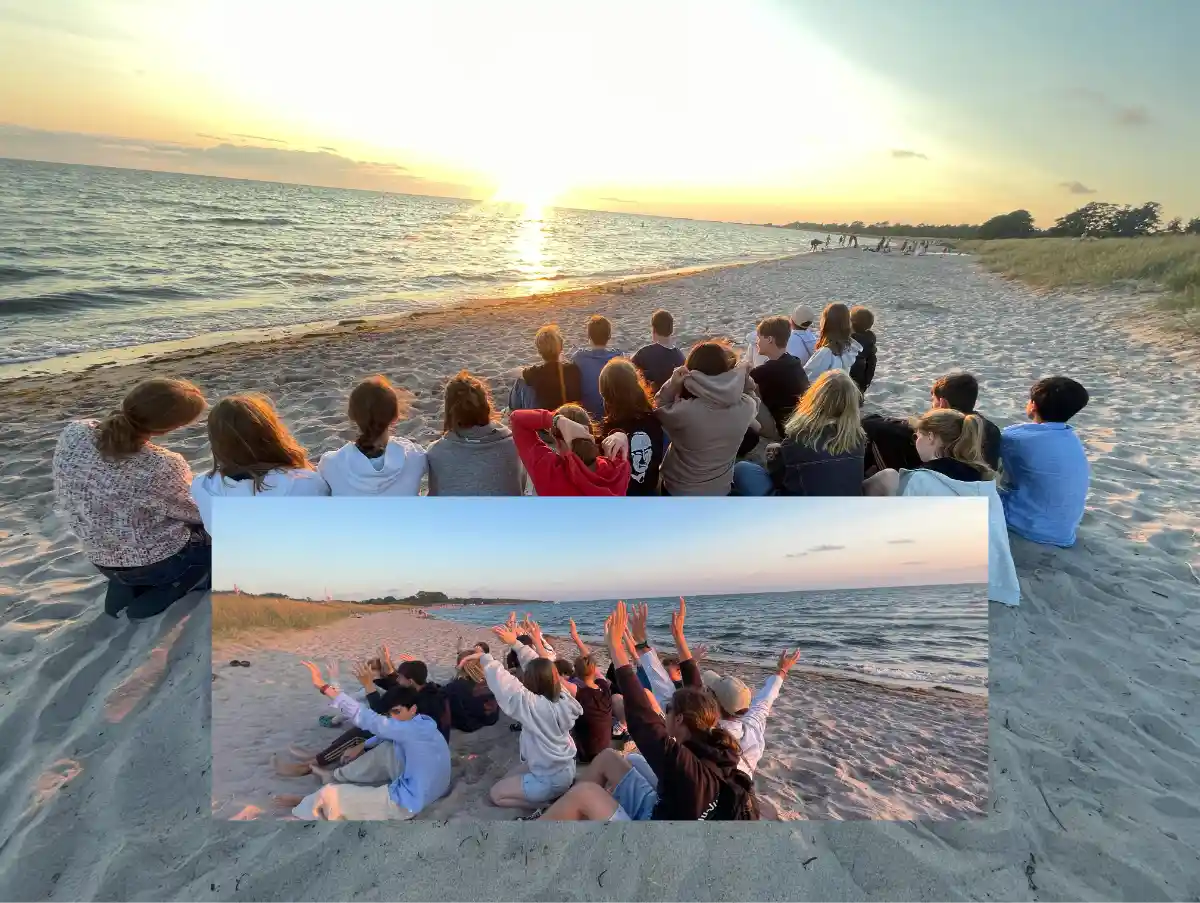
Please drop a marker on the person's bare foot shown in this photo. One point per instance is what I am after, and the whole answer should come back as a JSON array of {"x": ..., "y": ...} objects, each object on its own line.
[
  {"x": 290, "y": 769},
  {"x": 304, "y": 755},
  {"x": 325, "y": 774},
  {"x": 287, "y": 800}
]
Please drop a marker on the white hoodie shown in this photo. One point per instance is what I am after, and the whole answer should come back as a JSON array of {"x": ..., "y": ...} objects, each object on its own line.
[
  {"x": 397, "y": 471},
  {"x": 824, "y": 359},
  {"x": 285, "y": 481},
  {"x": 750, "y": 729},
  {"x": 546, "y": 743},
  {"x": 1003, "y": 585}
]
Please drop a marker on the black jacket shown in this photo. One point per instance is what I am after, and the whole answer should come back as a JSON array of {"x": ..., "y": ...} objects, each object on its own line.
[
  {"x": 891, "y": 442},
  {"x": 593, "y": 729},
  {"x": 472, "y": 705},
  {"x": 554, "y": 384},
  {"x": 781, "y": 383},
  {"x": 862, "y": 371},
  {"x": 697, "y": 781},
  {"x": 798, "y": 469}
]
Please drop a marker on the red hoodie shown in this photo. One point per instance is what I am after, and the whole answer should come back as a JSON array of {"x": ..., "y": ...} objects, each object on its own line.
[{"x": 555, "y": 474}]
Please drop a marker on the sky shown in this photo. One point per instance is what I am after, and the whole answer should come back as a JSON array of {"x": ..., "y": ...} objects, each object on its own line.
[
  {"x": 754, "y": 111},
  {"x": 578, "y": 549}
]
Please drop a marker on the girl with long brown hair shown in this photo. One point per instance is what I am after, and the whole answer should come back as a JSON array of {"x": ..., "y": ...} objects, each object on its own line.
[
  {"x": 836, "y": 348},
  {"x": 476, "y": 454},
  {"x": 823, "y": 447},
  {"x": 693, "y": 759},
  {"x": 546, "y": 708},
  {"x": 127, "y": 501},
  {"x": 629, "y": 409},
  {"x": 253, "y": 454},
  {"x": 376, "y": 463},
  {"x": 574, "y": 466}
]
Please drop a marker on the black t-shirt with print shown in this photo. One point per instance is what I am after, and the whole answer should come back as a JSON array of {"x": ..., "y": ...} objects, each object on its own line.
[{"x": 645, "y": 452}]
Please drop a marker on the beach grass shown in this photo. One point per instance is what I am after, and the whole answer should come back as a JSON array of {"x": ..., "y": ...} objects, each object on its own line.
[
  {"x": 1168, "y": 263},
  {"x": 233, "y": 613}
]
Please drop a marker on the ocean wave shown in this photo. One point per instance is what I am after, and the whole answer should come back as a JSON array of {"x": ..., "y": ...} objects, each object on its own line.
[
  {"x": 11, "y": 274},
  {"x": 57, "y": 302},
  {"x": 237, "y": 221}
]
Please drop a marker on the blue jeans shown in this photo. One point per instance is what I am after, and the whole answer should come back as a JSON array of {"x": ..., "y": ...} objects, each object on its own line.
[
  {"x": 752, "y": 479},
  {"x": 146, "y": 591}
]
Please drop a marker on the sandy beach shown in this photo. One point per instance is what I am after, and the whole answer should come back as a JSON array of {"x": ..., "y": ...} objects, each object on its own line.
[
  {"x": 1094, "y": 745},
  {"x": 841, "y": 749}
]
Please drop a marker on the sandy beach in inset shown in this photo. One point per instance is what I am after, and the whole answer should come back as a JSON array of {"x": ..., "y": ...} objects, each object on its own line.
[
  {"x": 1094, "y": 746},
  {"x": 837, "y": 748}
]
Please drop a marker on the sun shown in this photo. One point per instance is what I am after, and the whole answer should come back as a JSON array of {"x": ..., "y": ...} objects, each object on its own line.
[{"x": 529, "y": 185}]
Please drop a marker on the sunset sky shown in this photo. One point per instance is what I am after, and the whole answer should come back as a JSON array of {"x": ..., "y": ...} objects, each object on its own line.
[
  {"x": 755, "y": 110},
  {"x": 568, "y": 549}
]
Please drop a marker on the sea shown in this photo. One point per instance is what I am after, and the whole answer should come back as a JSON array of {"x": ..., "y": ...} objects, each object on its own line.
[
  {"x": 94, "y": 258},
  {"x": 927, "y": 635}
]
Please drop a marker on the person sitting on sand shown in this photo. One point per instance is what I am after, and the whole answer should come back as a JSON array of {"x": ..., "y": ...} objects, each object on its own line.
[
  {"x": 836, "y": 349},
  {"x": 407, "y": 768},
  {"x": 950, "y": 447},
  {"x": 593, "y": 730},
  {"x": 694, "y": 762},
  {"x": 745, "y": 716},
  {"x": 1046, "y": 470},
  {"x": 658, "y": 360},
  {"x": 822, "y": 451},
  {"x": 476, "y": 455},
  {"x": 432, "y": 700},
  {"x": 546, "y": 709},
  {"x": 706, "y": 408},
  {"x": 550, "y": 384},
  {"x": 803, "y": 341},
  {"x": 591, "y": 362},
  {"x": 629, "y": 409},
  {"x": 128, "y": 503},
  {"x": 574, "y": 466},
  {"x": 472, "y": 703},
  {"x": 376, "y": 463},
  {"x": 862, "y": 371},
  {"x": 780, "y": 379},
  {"x": 891, "y": 438},
  {"x": 253, "y": 455}
]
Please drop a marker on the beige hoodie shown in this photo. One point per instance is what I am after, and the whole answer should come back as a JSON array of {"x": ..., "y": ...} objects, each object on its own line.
[{"x": 705, "y": 431}]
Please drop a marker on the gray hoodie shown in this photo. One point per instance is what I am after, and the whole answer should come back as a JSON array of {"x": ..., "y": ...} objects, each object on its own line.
[
  {"x": 478, "y": 460},
  {"x": 705, "y": 431}
]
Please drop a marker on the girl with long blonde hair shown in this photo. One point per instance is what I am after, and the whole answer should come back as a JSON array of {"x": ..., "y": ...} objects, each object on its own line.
[{"x": 823, "y": 450}]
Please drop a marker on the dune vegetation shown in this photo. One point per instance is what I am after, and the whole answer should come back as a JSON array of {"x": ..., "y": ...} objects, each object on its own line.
[
  {"x": 1168, "y": 263},
  {"x": 233, "y": 613}
]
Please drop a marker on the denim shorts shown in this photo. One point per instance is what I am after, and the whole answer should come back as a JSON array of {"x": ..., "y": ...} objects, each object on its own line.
[
  {"x": 635, "y": 798},
  {"x": 545, "y": 788}
]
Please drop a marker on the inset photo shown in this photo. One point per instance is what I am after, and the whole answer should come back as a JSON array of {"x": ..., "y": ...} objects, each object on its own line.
[{"x": 600, "y": 660}]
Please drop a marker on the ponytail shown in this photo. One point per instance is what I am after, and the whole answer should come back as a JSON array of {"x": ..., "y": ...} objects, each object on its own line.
[
  {"x": 720, "y": 738},
  {"x": 959, "y": 435},
  {"x": 969, "y": 446},
  {"x": 587, "y": 449},
  {"x": 374, "y": 407},
  {"x": 151, "y": 408}
]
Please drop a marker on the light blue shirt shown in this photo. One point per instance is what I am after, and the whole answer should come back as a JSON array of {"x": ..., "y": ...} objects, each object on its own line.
[
  {"x": 1046, "y": 477},
  {"x": 426, "y": 776},
  {"x": 801, "y": 344}
]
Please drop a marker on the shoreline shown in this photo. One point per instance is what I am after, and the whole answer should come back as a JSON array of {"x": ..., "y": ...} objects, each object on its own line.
[{"x": 178, "y": 349}]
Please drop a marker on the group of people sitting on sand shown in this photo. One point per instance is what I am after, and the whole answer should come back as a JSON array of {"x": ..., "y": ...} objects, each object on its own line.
[
  {"x": 690, "y": 740},
  {"x": 782, "y": 418}
]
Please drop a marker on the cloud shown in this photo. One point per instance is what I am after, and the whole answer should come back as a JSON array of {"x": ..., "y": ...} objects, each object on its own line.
[
  {"x": 618, "y": 201},
  {"x": 912, "y": 564},
  {"x": 210, "y": 137},
  {"x": 815, "y": 550},
  {"x": 1126, "y": 115},
  {"x": 908, "y": 155},
  {"x": 332, "y": 150},
  {"x": 1076, "y": 188},
  {"x": 237, "y": 161},
  {"x": 900, "y": 542},
  {"x": 259, "y": 138}
]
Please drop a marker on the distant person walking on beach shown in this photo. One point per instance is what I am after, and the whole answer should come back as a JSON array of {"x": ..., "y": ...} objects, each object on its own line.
[
  {"x": 658, "y": 360},
  {"x": 550, "y": 384},
  {"x": 253, "y": 455},
  {"x": 854, "y": 241},
  {"x": 376, "y": 463},
  {"x": 128, "y": 501},
  {"x": 476, "y": 455},
  {"x": 1046, "y": 470},
  {"x": 815, "y": 244}
]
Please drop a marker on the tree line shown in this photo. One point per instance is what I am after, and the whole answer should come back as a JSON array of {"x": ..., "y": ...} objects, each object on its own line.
[{"x": 1096, "y": 219}]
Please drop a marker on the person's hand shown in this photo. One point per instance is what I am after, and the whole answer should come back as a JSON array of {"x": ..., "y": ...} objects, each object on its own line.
[
  {"x": 618, "y": 624},
  {"x": 353, "y": 753},
  {"x": 700, "y": 652},
  {"x": 637, "y": 622},
  {"x": 477, "y": 654},
  {"x": 679, "y": 374},
  {"x": 507, "y": 634},
  {"x": 787, "y": 661},
  {"x": 570, "y": 430},
  {"x": 314, "y": 672},
  {"x": 615, "y": 446},
  {"x": 574, "y": 632},
  {"x": 385, "y": 658},
  {"x": 365, "y": 675},
  {"x": 678, "y": 617}
]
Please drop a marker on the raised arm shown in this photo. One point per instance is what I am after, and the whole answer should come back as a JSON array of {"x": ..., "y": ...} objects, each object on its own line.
[
  {"x": 646, "y": 727},
  {"x": 534, "y": 453},
  {"x": 661, "y": 684},
  {"x": 579, "y": 643},
  {"x": 677, "y": 620}
]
